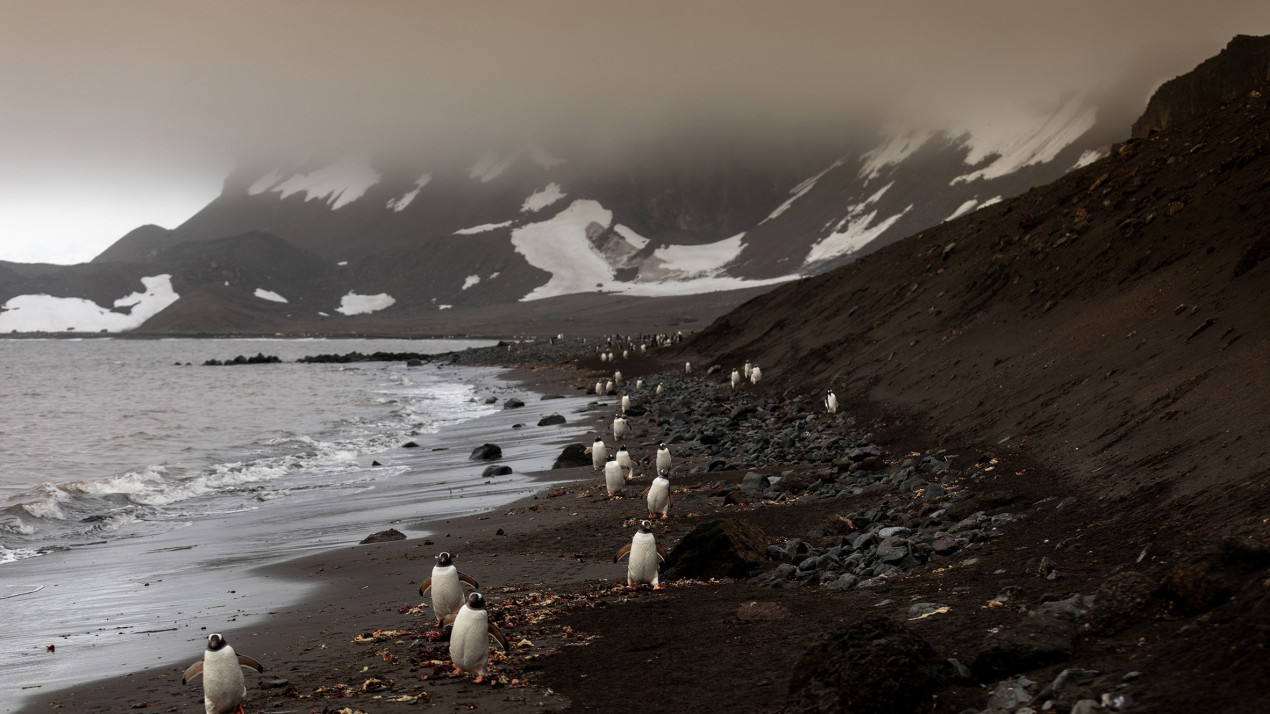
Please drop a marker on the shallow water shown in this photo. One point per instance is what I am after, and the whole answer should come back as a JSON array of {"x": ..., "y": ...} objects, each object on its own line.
[{"x": 140, "y": 493}]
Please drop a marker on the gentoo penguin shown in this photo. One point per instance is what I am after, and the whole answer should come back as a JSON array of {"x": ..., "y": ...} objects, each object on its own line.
[
  {"x": 617, "y": 377},
  {"x": 755, "y": 375},
  {"x": 626, "y": 402},
  {"x": 831, "y": 402},
  {"x": 599, "y": 388},
  {"x": 639, "y": 384},
  {"x": 687, "y": 368},
  {"x": 223, "y": 687},
  {"x": 736, "y": 378},
  {"x": 658, "y": 494},
  {"x": 660, "y": 388},
  {"x": 469, "y": 640},
  {"x": 620, "y": 428},
  {"x": 663, "y": 458},
  {"x": 599, "y": 452},
  {"x": 748, "y": 369},
  {"x": 446, "y": 585},
  {"x": 614, "y": 481},
  {"x": 645, "y": 557},
  {"x": 624, "y": 460},
  {"x": 608, "y": 386}
]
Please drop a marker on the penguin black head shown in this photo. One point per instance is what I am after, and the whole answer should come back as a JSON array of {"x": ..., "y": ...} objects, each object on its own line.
[
  {"x": 444, "y": 559},
  {"x": 645, "y": 526},
  {"x": 476, "y": 601},
  {"x": 665, "y": 473},
  {"x": 215, "y": 642}
]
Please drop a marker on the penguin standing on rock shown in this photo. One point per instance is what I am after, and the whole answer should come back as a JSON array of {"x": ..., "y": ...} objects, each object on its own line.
[
  {"x": 646, "y": 557},
  {"x": 446, "y": 585},
  {"x": 755, "y": 375},
  {"x": 831, "y": 402},
  {"x": 660, "y": 388},
  {"x": 659, "y": 497},
  {"x": 736, "y": 378},
  {"x": 469, "y": 640},
  {"x": 224, "y": 689},
  {"x": 614, "y": 481},
  {"x": 599, "y": 453}
]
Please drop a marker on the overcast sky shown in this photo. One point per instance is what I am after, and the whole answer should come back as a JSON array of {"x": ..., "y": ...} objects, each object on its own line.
[{"x": 121, "y": 113}]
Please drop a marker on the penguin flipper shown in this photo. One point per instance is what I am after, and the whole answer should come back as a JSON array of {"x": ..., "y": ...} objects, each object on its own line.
[
  {"x": 425, "y": 586},
  {"x": 469, "y": 580},
  {"x": 645, "y": 493},
  {"x": 249, "y": 663},
  {"x": 195, "y": 670},
  {"x": 498, "y": 636},
  {"x": 622, "y": 551},
  {"x": 661, "y": 552},
  {"x": 670, "y": 498}
]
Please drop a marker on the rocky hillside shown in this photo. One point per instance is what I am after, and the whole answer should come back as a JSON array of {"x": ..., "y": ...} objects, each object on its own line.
[{"x": 1111, "y": 324}]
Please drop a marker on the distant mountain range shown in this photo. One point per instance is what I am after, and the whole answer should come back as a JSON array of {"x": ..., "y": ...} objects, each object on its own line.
[{"x": 353, "y": 246}]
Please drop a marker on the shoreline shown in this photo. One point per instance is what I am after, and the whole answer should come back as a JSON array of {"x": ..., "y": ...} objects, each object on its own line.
[{"x": 270, "y": 577}]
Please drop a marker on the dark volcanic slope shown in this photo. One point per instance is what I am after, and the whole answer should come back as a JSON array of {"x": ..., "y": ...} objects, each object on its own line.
[{"x": 1113, "y": 324}]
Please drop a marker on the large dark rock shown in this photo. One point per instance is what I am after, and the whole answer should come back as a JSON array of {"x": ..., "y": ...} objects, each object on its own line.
[
  {"x": 487, "y": 452},
  {"x": 1038, "y": 641},
  {"x": 1120, "y": 599},
  {"x": 874, "y": 666},
  {"x": 384, "y": 536},
  {"x": 552, "y": 420},
  {"x": 496, "y": 470},
  {"x": 574, "y": 455},
  {"x": 726, "y": 548},
  {"x": 513, "y": 403}
]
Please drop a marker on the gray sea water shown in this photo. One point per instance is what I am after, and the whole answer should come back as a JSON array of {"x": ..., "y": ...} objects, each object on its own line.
[{"x": 131, "y": 476}]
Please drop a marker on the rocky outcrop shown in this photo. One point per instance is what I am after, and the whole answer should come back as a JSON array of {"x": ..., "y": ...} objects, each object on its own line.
[{"x": 1239, "y": 69}]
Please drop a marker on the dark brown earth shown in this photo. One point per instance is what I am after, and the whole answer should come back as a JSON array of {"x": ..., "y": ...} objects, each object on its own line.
[{"x": 1104, "y": 339}]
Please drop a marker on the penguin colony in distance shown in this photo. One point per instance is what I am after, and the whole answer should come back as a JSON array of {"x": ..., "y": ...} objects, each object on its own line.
[
  {"x": 645, "y": 557},
  {"x": 469, "y": 640},
  {"x": 446, "y": 584},
  {"x": 224, "y": 688}
]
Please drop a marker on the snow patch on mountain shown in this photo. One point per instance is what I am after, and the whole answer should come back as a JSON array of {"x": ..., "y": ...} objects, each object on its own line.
[
  {"x": 1018, "y": 141},
  {"x": 892, "y": 152},
  {"x": 701, "y": 261},
  {"x": 45, "y": 313},
  {"x": 354, "y": 304},
  {"x": 1089, "y": 156},
  {"x": 338, "y": 184},
  {"x": 636, "y": 240},
  {"x": 561, "y": 247},
  {"x": 801, "y": 190},
  {"x": 542, "y": 198},
  {"x": 470, "y": 281},
  {"x": 399, "y": 204},
  {"x": 269, "y": 295},
  {"x": 483, "y": 228},
  {"x": 859, "y": 232},
  {"x": 490, "y": 166}
]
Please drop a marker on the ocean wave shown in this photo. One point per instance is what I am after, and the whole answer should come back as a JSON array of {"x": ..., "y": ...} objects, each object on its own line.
[{"x": 8, "y": 555}]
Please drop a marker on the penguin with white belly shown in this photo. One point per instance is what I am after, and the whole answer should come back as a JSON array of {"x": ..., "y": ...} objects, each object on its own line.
[
  {"x": 645, "y": 557},
  {"x": 831, "y": 402},
  {"x": 614, "y": 480},
  {"x": 659, "y": 496},
  {"x": 626, "y": 462},
  {"x": 469, "y": 640},
  {"x": 621, "y": 428},
  {"x": 446, "y": 585},
  {"x": 224, "y": 689},
  {"x": 599, "y": 453},
  {"x": 663, "y": 458}
]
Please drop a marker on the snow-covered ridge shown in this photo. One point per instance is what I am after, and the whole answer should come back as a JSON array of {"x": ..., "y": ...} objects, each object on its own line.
[
  {"x": 269, "y": 295},
  {"x": 1025, "y": 139},
  {"x": 338, "y": 184},
  {"x": 399, "y": 204},
  {"x": 542, "y": 198},
  {"x": 45, "y": 313}
]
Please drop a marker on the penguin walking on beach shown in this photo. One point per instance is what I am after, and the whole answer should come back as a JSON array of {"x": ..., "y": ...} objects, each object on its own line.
[
  {"x": 639, "y": 384},
  {"x": 659, "y": 497},
  {"x": 599, "y": 454},
  {"x": 660, "y": 388},
  {"x": 626, "y": 402},
  {"x": 617, "y": 377},
  {"x": 608, "y": 386},
  {"x": 831, "y": 402},
  {"x": 469, "y": 640},
  {"x": 755, "y": 375},
  {"x": 736, "y": 378},
  {"x": 224, "y": 689},
  {"x": 446, "y": 584},
  {"x": 621, "y": 428},
  {"x": 626, "y": 462},
  {"x": 687, "y": 368},
  {"x": 614, "y": 480},
  {"x": 599, "y": 388},
  {"x": 645, "y": 557},
  {"x": 663, "y": 458}
]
